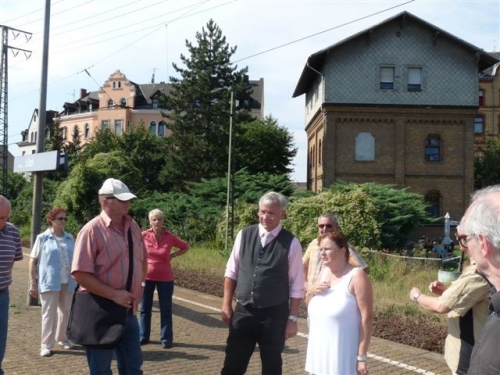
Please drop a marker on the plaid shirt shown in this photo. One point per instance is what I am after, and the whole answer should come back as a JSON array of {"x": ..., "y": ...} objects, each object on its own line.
[{"x": 312, "y": 261}]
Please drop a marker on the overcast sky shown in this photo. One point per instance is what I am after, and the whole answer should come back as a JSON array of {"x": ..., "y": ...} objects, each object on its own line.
[{"x": 144, "y": 37}]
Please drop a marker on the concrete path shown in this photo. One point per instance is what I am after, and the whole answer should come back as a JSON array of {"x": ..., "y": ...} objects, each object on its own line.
[{"x": 198, "y": 343}]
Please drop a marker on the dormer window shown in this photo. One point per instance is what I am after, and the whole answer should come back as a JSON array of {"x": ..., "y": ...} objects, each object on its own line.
[{"x": 155, "y": 103}]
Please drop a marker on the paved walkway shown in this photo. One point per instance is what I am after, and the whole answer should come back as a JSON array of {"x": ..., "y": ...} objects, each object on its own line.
[{"x": 198, "y": 343}]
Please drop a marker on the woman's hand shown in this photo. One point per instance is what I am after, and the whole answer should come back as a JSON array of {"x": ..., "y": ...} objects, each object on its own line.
[
  {"x": 362, "y": 368},
  {"x": 319, "y": 288},
  {"x": 33, "y": 291}
]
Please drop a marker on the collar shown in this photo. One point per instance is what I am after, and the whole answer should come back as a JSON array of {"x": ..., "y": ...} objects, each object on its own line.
[
  {"x": 274, "y": 232},
  {"x": 107, "y": 220},
  {"x": 495, "y": 302}
]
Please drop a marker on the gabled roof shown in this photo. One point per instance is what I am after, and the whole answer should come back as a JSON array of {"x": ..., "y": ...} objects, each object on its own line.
[{"x": 316, "y": 60}]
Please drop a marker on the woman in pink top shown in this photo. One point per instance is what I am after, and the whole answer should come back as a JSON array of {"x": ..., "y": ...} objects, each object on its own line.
[{"x": 159, "y": 243}]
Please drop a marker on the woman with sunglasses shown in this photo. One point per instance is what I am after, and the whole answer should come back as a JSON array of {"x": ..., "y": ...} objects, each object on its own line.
[{"x": 50, "y": 275}]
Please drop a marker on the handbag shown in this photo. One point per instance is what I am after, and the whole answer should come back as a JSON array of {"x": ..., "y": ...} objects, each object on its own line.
[{"x": 97, "y": 322}]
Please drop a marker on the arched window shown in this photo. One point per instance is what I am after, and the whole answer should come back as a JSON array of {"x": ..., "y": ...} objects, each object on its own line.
[
  {"x": 123, "y": 102},
  {"x": 152, "y": 127},
  {"x": 433, "y": 148},
  {"x": 32, "y": 136},
  {"x": 87, "y": 131},
  {"x": 478, "y": 125},
  {"x": 162, "y": 129},
  {"x": 433, "y": 200},
  {"x": 110, "y": 103},
  {"x": 114, "y": 85},
  {"x": 64, "y": 133}
]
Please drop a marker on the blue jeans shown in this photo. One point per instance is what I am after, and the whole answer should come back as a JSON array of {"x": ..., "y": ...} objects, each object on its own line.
[
  {"x": 165, "y": 292},
  {"x": 128, "y": 353},
  {"x": 4, "y": 323}
]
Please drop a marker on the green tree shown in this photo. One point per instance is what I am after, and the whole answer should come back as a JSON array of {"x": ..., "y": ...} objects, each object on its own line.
[
  {"x": 486, "y": 171},
  {"x": 56, "y": 140},
  {"x": 78, "y": 193},
  {"x": 199, "y": 104},
  {"x": 398, "y": 211},
  {"x": 144, "y": 150},
  {"x": 263, "y": 145}
]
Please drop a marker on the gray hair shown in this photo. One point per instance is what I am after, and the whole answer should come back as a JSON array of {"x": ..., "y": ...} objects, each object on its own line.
[
  {"x": 273, "y": 198},
  {"x": 483, "y": 216},
  {"x": 156, "y": 212},
  {"x": 5, "y": 202},
  {"x": 332, "y": 217}
]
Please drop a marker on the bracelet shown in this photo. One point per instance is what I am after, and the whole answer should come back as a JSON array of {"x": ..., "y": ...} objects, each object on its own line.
[{"x": 361, "y": 358}]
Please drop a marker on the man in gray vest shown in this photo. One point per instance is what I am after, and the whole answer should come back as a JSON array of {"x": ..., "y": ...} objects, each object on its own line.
[{"x": 264, "y": 273}]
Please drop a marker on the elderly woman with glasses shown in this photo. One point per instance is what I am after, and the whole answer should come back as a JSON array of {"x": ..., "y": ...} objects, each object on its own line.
[
  {"x": 50, "y": 268},
  {"x": 159, "y": 243},
  {"x": 340, "y": 313}
]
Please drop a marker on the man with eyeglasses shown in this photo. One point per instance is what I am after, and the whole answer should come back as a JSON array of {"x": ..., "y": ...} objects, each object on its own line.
[
  {"x": 100, "y": 266},
  {"x": 466, "y": 303},
  {"x": 264, "y": 273},
  {"x": 479, "y": 232},
  {"x": 311, "y": 261}
]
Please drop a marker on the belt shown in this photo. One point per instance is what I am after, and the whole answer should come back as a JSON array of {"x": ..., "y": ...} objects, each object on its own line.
[{"x": 4, "y": 290}]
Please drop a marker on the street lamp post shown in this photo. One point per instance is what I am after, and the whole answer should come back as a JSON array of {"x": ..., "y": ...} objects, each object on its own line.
[{"x": 229, "y": 169}]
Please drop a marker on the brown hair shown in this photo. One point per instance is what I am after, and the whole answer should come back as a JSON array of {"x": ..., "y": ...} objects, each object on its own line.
[
  {"x": 51, "y": 215},
  {"x": 340, "y": 240}
]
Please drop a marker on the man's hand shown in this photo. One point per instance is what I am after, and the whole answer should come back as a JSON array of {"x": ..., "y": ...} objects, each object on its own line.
[
  {"x": 227, "y": 314},
  {"x": 437, "y": 287},
  {"x": 291, "y": 329},
  {"x": 123, "y": 298}
]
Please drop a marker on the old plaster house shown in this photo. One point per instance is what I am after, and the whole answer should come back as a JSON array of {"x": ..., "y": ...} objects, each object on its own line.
[
  {"x": 119, "y": 104},
  {"x": 395, "y": 104}
]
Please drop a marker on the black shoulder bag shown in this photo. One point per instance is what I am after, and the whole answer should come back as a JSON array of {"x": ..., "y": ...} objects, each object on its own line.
[{"x": 97, "y": 322}]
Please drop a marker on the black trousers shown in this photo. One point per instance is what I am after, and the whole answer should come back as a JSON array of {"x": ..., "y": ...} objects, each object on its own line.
[{"x": 250, "y": 326}]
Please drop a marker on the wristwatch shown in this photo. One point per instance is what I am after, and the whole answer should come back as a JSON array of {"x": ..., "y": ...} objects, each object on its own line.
[
  {"x": 415, "y": 297},
  {"x": 361, "y": 358},
  {"x": 293, "y": 318}
]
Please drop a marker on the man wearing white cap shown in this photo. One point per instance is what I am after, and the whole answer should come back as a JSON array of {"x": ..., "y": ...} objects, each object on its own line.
[{"x": 100, "y": 265}]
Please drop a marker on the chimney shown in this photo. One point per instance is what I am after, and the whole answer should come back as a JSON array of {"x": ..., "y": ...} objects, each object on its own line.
[{"x": 83, "y": 92}]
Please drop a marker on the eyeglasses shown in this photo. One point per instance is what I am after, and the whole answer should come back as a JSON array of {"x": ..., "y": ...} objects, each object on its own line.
[
  {"x": 62, "y": 218},
  {"x": 462, "y": 239},
  {"x": 329, "y": 226}
]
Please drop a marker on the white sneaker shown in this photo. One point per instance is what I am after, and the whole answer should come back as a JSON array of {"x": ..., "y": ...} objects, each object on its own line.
[
  {"x": 66, "y": 344},
  {"x": 44, "y": 352}
]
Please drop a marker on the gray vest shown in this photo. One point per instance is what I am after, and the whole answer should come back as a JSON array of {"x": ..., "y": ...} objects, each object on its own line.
[{"x": 263, "y": 271}]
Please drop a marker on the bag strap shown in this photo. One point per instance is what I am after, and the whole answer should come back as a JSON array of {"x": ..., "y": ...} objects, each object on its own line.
[{"x": 130, "y": 260}]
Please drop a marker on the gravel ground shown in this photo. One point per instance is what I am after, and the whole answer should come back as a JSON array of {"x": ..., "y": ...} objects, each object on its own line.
[{"x": 419, "y": 333}]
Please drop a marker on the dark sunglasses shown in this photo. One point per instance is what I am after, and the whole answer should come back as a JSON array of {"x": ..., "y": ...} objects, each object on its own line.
[
  {"x": 62, "y": 218},
  {"x": 329, "y": 226},
  {"x": 115, "y": 198}
]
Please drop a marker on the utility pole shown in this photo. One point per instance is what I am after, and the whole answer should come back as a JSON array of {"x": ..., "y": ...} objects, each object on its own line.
[
  {"x": 4, "y": 145},
  {"x": 42, "y": 114}
]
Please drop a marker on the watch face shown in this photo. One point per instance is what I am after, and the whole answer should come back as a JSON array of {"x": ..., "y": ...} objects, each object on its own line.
[{"x": 143, "y": 283}]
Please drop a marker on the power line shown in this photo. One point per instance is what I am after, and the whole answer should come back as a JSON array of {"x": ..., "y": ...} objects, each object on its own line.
[{"x": 322, "y": 32}]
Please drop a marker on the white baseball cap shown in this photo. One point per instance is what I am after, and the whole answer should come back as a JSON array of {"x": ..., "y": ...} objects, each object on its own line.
[{"x": 117, "y": 189}]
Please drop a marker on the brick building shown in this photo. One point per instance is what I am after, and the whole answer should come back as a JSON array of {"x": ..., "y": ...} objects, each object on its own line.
[
  {"x": 487, "y": 120},
  {"x": 395, "y": 104}
]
